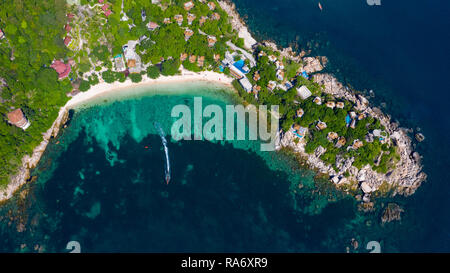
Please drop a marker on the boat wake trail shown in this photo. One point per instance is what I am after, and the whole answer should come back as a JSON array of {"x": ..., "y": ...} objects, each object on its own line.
[{"x": 166, "y": 149}]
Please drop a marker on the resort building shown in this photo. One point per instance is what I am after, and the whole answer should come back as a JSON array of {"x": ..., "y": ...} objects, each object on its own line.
[
  {"x": 188, "y": 34},
  {"x": 357, "y": 144},
  {"x": 119, "y": 63},
  {"x": 211, "y": 5},
  {"x": 152, "y": 26},
  {"x": 18, "y": 119},
  {"x": 216, "y": 16},
  {"x": 70, "y": 16},
  {"x": 143, "y": 15},
  {"x": 235, "y": 72},
  {"x": 280, "y": 74},
  {"x": 332, "y": 136},
  {"x": 381, "y": 135},
  {"x": 67, "y": 40},
  {"x": 67, "y": 28},
  {"x": 131, "y": 63},
  {"x": 288, "y": 85},
  {"x": 282, "y": 87},
  {"x": 303, "y": 92},
  {"x": 167, "y": 21},
  {"x": 133, "y": 60},
  {"x": 179, "y": 19},
  {"x": 271, "y": 86},
  {"x": 211, "y": 40},
  {"x": 190, "y": 18},
  {"x": 279, "y": 64},
  {"x": 272, "y": 58},
  {"x": 341, "y": 142},
  {"x": 330, "y": 104},
  {"x": 201, "y": 60},
  {"x": 340, "y": 105},
  {"x": 352, "y": 114},
  {"x": 2, "y": 35},
  {"x": 299, "y": 131},
  {"x": 188, "y": 5},
  {"x": 216, "y": 57},
  {"x": 256, "y": 76},
  {"x": 300, "y": 112},
  {"x": 361, "y": 116},
  {"x": 369, "y": 138},
  {"x": 183, "y": 57},
  {"x": 202, "y": 20},
  {"x": 245, "y": 83},
  {"x": 106, "y": 10},
  {"x": 321, "y": 125},
  {"x": 192, "y": 59},
  {"x": 61, "y": 68},
  {"x": 353, "y": 124},
  {"x": 317, "y": 100},
  {"x": 229, "y": 58}
]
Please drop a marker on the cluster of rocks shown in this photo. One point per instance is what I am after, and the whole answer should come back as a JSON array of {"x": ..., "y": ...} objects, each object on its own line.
[
  {"x": 237, "y": 23},
  {"x": 404, "y": 178},
  {"x": 407, "y": 174},
  {"x": 391, "y": 213}
]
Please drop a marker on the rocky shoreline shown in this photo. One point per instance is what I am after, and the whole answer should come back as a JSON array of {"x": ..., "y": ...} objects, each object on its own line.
[
  {"x": 403, "y": 179},
  {"x": 30, "y": 162}
]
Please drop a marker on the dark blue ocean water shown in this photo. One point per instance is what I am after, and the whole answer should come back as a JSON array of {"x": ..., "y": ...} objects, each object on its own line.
[
  {"x": 97, "y": 183},
  {"x": 101, "y": 183},
  {"x": 400, "y": 50}
]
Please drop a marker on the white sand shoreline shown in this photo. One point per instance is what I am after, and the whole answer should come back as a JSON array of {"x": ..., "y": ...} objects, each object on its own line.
[
  {"x": 96, "y": 91},
  {"x": 104, "y": 88}
]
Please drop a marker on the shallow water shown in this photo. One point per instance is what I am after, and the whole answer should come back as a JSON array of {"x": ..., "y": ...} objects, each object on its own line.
[
  {"x": 399, "y": 50},
  {"x": 101, "y": 183}
]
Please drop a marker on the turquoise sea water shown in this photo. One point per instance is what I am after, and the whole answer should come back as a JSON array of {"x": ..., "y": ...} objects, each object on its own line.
[
  {"x": 98, "y": 184},
  {"x": 101, "y": 183},
  {"x": 399, "y": 50}
]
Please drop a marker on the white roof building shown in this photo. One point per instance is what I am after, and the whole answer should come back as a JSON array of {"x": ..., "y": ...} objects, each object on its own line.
[
  {"x": 246, "y": 84},
  {"x": 303, "y": 92}
]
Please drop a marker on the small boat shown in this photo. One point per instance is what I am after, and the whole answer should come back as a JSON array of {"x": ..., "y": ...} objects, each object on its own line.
[
  {"x": 167, "y": 178},
  {"x": 320, "y": 6}
]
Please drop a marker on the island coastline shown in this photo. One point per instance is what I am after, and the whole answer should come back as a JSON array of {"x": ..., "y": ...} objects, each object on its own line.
[
  {"x": 406, "y": 178},
  {"x": 99, "y": 90}
]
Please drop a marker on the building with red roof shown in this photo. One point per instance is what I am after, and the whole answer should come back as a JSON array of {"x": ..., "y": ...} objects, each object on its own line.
[
  {"x": 67, "y": 40},
  {"x": 18, "y": 119},
  {"x": 70, "y": 16},
  {"x": 61, "y": 68}
]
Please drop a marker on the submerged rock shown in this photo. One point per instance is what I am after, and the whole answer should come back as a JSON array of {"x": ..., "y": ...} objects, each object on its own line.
[
  {"x": 392, "y": 213},
  {"x": 420, "y": 137}
]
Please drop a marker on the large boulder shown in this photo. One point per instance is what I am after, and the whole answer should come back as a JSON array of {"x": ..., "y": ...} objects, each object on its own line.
[{"x": 391, "y": 213}]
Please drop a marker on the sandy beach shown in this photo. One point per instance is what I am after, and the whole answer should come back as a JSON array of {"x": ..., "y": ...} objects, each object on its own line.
[
  {"x": 107, "y": 88},
  {"x": 101, "y": 89}
]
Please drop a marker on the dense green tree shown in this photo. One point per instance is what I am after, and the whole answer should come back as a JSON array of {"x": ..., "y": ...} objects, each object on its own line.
[
  {"x": 170, "y": 67},
  {"x": 153, "y": 72},
  {"x": 135, "y": 77}
]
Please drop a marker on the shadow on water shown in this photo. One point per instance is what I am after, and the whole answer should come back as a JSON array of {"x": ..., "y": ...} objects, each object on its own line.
[{"x": 220, "y": 199}]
